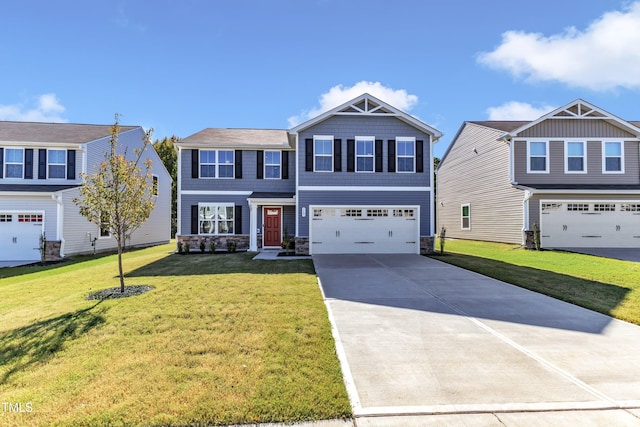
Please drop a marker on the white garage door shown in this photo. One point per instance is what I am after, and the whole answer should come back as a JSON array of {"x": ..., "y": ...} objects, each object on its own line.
[
  {"x": 364, "y": 229},
  {"x": 20, "y": 236},
  {"x": 589, "y": 224}
]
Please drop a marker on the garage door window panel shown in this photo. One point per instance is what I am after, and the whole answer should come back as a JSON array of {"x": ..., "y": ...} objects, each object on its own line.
[
  {"x": 613, "y": 157},
  {"x": 14, "y": 162},
  {"x": 575, "y": 157},
  {"x": 537, "y": 156}
]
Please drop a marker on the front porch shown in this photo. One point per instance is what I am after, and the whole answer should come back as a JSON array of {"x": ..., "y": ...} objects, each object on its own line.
[{"x": 271, "y": 218}]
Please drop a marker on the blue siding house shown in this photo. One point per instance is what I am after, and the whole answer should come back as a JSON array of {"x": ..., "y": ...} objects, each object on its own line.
[{"x": 356, "y": 179}]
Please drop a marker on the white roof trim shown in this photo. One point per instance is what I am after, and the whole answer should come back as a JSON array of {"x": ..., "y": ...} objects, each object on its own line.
[
  {"x": 377, "y": 108},
  {"x": 585, "y": 111}
]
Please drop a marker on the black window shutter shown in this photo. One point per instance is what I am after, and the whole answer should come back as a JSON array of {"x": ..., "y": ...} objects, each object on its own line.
[
  {"x": 238, "y": 159},
  {"x": 1, "y": 162},
  {"x": 28, "y": 163},
  {"x": 378, "y": 153},
  {"x": 195, "y": 164},
  {"x": 238, "y": 219},
  {"x": 308, "y": 155},
  {"x": 391, "y": 145},
  {"x": 337, "y": 155},
  {"x": 351, "y": 155},
  {"x": 71, "y": 164},
  {"x": 285, "y": 165},
  {"x": 419, "y": 156},
  {"x": 260, "y": 164},
  {"x": 42, "y": 163},
  {"x": 194, "y": 218}
]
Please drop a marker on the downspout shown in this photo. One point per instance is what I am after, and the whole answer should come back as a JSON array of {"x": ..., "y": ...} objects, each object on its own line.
[
  {"x": 528, "y": 194},
  {"x": 60, "y": 221},
  {"x": 297, "y": 164},
  {"x": 179, "y": 192},
  {"x": 432, "y": 207}
]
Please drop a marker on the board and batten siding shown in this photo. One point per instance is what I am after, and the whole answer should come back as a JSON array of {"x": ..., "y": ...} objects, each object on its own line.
[
  {"x": 594, "y": 173},
  {"x": 574, "y": 128},
  {"x": 475, "y": 171},
  {"x": 364, "y": 198}
]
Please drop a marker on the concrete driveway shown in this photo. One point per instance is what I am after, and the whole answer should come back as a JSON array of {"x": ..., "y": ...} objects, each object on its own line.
[
  {"x": 625, "y": 254},
  {"x": 425, "y": 343}
]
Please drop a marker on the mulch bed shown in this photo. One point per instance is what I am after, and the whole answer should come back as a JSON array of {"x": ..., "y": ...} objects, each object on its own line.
[{"x": 112, "y": 293}]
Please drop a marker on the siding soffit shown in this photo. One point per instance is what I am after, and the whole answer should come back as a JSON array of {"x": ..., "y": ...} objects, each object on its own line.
[
  {"x": 368, "y": 105},
  {"x": 581, "y": 110}
]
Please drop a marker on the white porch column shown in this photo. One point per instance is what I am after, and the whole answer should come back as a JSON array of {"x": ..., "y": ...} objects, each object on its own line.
[{"x": 253, "y": 227}]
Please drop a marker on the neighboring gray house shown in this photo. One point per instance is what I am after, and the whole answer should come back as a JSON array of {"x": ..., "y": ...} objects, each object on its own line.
[
  {"x": 574, "y": 172},
  {"x": 356, "y": 179},
  {"x": 40, "y": 173}
]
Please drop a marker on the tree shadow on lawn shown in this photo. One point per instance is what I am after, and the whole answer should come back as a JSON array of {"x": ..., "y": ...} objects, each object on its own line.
[
  {"x": 40, "y": 341},
  {"x": 220, "y": 263},
  {"x": 37, "y": 267},
  {"x": 590, "y": 294}
]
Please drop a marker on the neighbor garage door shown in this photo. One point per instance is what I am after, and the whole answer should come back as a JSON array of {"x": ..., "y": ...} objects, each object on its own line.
[
  {"x": 364, "y": 229},
  {"x": 584, "y": 224},
  {"x": 20, "y": 236}
]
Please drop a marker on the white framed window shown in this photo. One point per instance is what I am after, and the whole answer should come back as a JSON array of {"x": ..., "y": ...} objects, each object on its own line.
[
  {"x": 105, "y": 229},
  {"x": 405, "y": 155},
  {"x": 364, "y": 153},
  {"x": 57, "y": 164},
  {"x": 216, "y": 163},
  {"x": 272, "y": 164},
  {"x": 465, "y": 217},
  {"x": 13, "y": 163},
  {"x": 216, "y": 218},
  {"x": 323, "y": 153},
  {"x": 537, "y": 156},
  {"x": 612, "y": 157},
  {"x": 575, "y": 157},
  {"x": 154, "y": 185}
]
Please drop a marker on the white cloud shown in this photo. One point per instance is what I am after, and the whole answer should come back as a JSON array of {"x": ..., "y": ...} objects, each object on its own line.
[
  {"x": 604, "y": 56},
  {"x": 515, "y": 110},
  {"x": 340, "y": 94},
  {"x": 46, "y": 108}
]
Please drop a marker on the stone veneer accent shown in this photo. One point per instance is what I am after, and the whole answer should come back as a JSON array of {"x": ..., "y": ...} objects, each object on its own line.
[
  {"x": 426, "y": 245},
  {"x": 302, "y": 245},
  {"x": 529, "y": 242},
  {"x": 242, "y": 242},
  {"x": 52, "y": 250}
]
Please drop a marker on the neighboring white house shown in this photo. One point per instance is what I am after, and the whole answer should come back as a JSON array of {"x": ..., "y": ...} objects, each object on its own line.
[{"x": 40, "y": 174}]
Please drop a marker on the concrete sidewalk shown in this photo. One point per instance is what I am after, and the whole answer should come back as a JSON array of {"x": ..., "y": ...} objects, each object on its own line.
[{"x": 425, "y": 343}]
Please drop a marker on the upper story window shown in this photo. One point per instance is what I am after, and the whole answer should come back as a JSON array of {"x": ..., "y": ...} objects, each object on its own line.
[
  {"x": 612, "y": 157},
  {"x": 538, "y": 156},
  {"x": 405, "y": 154},
  {"x": 364, "y": 153},
  {"x": 575, "y": 157},
  {"x": 465, "y": 215},
  {"x": 216, "y": 164},
  {"x": 14, "y": 162},
  {"x": 272, "y": 164},
  {"x": 57, "y": 164},
  {"x": 154, "y": 185},
  {"x": 323, "y": 153},
  {"x": 215, "y": 218}
]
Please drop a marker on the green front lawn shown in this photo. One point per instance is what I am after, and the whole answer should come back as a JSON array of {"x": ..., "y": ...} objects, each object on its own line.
[
  {"x": 221, "y": 339},
  {"x": 605, "y": 285}
]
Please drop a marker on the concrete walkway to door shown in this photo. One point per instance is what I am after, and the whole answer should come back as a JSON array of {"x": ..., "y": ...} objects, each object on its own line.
[{"x": 425, "y": 343}]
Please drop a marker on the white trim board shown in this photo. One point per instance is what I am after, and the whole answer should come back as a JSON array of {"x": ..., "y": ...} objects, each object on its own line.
[
  {"x": 215, "y": 193},
  {"x": 360, "y": 188}
]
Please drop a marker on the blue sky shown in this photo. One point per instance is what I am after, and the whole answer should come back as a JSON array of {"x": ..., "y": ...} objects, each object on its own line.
[{"x": 181, "y": 66}]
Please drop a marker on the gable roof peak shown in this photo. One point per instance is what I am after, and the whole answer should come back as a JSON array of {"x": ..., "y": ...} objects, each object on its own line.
[{"x": 369, "y": 105}]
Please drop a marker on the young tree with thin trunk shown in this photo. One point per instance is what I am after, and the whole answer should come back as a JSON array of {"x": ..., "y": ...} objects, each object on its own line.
[{"x": 118, "y": 195}]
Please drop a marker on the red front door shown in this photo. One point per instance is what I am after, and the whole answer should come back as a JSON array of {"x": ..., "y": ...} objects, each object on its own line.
[{"x": 272, "y": 226}]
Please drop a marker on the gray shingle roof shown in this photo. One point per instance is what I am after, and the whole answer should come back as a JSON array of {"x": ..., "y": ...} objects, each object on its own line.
[
  {"x": 503, "y": 125},
  {"x": 36, "y": 188},
  {"x": 239, "y": 138},
  {"x": 54, "y": 132}
]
